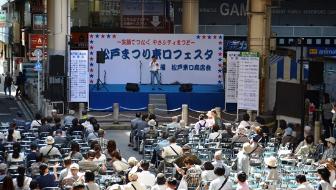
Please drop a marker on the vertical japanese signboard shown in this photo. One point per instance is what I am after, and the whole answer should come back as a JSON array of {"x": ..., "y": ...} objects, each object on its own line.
[
  {"x": 248, "y": 81},
  {"x": 79, "y": 85},
  {"x": 231, "y": 78}
]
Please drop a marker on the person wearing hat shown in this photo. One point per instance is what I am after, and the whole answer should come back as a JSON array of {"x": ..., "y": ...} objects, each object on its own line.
[
  {"x": 288, "y": 137},
  {"x": 271, "y": 164},
  {"x": 330, "y": 152},
  {"x": 271, "y": 172},
  {"x": 134, "y": 184},
  {"x": 154, "y": 68},
  {"x": 151, "y": 131},
  {"x": 243, "y": 158},
  {"x": 50, "y": 149},
  {"x": 73, "y": 176}
]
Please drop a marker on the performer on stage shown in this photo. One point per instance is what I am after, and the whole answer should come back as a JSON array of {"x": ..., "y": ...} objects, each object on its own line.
[{"x": 154, "y": 70}]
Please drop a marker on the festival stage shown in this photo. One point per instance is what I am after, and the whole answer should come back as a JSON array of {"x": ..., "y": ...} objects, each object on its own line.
[{"x": 202, "y": 97}]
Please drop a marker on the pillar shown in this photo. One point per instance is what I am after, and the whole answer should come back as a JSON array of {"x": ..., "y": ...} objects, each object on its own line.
[
  {"x": 317, "y": 132},
  {"x": 58, "y": 26},
  {"x": 115, "y": 113},
  {"x": 190, "y": 16},
  {"x": 184, "y": 114},
  {"x": 259, "y": 29},
  {"x": 81, "y": 108},
  {"x": 250, "y": 113}
]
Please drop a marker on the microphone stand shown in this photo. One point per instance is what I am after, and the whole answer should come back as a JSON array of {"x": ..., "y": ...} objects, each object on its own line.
[{"x": 140, "y": 72}]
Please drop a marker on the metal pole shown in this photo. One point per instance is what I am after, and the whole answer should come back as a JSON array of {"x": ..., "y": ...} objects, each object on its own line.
[
  {"x": 38, "y": 92},
  {"x": 300, "y": 40}
]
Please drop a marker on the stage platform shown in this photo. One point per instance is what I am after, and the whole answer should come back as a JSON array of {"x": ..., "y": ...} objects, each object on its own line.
[{"x": 202, "y": 97}]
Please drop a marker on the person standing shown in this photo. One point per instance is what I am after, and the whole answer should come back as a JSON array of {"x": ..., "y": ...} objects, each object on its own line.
[
  {"x": 20, "y": 85},
  {"x": 327, "y": 116},
  {"x": 154, "y": 70},
  {"x": 8, "y": 84}
]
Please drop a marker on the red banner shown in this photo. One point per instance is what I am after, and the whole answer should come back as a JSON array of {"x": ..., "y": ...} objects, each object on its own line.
[{"x": 36, "y": 41}]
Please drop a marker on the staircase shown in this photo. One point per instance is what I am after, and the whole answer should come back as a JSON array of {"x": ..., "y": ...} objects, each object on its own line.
[{"x": 159, "y": 101}]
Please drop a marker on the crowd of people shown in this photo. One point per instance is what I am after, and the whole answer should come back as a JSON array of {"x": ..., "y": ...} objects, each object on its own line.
[{"x": 73, "y": 153}]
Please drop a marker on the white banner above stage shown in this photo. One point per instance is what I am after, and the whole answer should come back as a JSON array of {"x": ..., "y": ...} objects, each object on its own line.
[
  {"x": 79, "y": 82},
  {"x": 231, "y": 77},
  {"x": 248, "y": 81},
  {"x": 183, "y": 58}
]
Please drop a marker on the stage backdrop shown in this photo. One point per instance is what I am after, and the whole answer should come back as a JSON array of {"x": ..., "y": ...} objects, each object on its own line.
[{"x": 184, "y": 58}]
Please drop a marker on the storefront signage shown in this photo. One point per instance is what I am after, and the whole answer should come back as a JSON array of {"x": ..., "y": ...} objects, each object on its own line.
[{"x": 321, "y": 51}]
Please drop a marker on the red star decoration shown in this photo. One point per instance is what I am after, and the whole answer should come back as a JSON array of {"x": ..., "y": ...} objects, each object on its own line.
[
  {"x": 91, "y": 36},
  {"x": 91, "y": 47},
  {"x": 203, "y": 36},
  {"x": 91, "y": 58},
  {"x": 219, "y": 65},
  {"x": 102, "y": 35},
  {"x": 220, "y": 54},
  {"x": 91, "y": 70},
  {"x": 91, "y": 81},
  {"x": 214, "y": 37},
  {"x": 220, "y": 43},
  {"x": 114, "y": 36}
]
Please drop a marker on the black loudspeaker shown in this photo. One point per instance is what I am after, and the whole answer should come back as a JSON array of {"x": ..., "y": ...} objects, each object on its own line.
[
  {"x": 133, "y": 87},
  {"x": 289, "y": 104},
  {"x": 100, "y": 57},
  {"x": 315, "y": 73},
  {"x": 186, "y": 87},
  {"x": 56, "y": 65}
]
